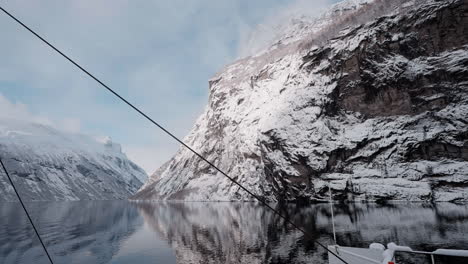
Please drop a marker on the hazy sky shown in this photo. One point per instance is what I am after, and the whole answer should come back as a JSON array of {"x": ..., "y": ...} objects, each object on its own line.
[{"x": 158, "y": 54}]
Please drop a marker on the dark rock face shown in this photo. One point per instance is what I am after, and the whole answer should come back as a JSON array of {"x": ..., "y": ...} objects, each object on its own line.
[
  {"x": 436, "y": 149},
  {"x": 377, "y": 78},
  {"x": 378, "y": 112}
]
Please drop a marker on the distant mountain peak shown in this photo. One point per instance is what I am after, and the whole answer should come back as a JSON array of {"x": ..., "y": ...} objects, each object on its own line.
[{"x": 49, "y": 164}]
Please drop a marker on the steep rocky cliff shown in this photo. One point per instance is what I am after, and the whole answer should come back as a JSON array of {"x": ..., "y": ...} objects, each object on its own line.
[
  {"x": 375, "y": 111},
  {"x": 49, "y": 164}
]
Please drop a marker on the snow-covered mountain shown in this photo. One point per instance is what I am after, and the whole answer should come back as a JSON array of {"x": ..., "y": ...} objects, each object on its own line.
[
  {"x": 49, "y": 164},
  {"x": 376, "y": 111}
]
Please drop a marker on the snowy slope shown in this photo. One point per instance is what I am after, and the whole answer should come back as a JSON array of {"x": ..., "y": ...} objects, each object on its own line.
[
  {"x": 378, "y": 111},
  {"x": 48, "y": 164}
]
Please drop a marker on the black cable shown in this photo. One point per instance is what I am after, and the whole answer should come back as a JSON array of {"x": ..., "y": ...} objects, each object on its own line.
[
  {"x": 26, "y": 211},
  {"x": 169, "y": 133}
]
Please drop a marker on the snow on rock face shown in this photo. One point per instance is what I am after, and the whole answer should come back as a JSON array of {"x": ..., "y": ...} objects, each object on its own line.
[
  {"x": 48, "y": 164},
  {"x": 379, "y": 111}
]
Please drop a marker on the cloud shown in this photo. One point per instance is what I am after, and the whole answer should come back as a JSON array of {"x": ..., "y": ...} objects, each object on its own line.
[
  {"x": 20, "y": 111},
  {"x": 71, "y": 125},
  {"x": 266, "y": 32}
]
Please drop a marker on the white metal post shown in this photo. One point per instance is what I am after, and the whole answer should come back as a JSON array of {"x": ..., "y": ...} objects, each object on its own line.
[{"x": 333, "y": 217}]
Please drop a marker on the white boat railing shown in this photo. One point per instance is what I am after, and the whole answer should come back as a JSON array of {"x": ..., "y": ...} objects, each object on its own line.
[
  {"x": 378, "y": 254},
  {"x": 438, "y": 252}
]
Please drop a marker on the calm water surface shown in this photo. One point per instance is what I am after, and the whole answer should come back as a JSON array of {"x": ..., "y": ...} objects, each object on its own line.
[{"x": 126, "y": 232}]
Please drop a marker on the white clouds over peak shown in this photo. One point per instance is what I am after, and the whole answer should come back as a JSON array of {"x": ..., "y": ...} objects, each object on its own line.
[{"x": 20, "y": 111}]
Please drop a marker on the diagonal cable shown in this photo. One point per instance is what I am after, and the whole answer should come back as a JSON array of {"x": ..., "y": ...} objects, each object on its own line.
[
  {"x": 26, "y": 211},
  {"x": 170, "y": 134}
]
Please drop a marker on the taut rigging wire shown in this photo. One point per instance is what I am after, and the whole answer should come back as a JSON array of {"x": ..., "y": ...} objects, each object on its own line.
[{"x": 307, "y": 234}]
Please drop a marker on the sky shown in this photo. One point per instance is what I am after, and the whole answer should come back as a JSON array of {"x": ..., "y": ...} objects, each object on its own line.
[{"x": 157, "y": 54}]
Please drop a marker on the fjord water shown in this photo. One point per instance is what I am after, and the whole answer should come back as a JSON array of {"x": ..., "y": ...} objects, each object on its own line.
[{"x": 130, "y": 232}]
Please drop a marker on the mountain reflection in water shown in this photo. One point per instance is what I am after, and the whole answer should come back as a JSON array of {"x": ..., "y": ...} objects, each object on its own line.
[{"x": 126, "y": 232}]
